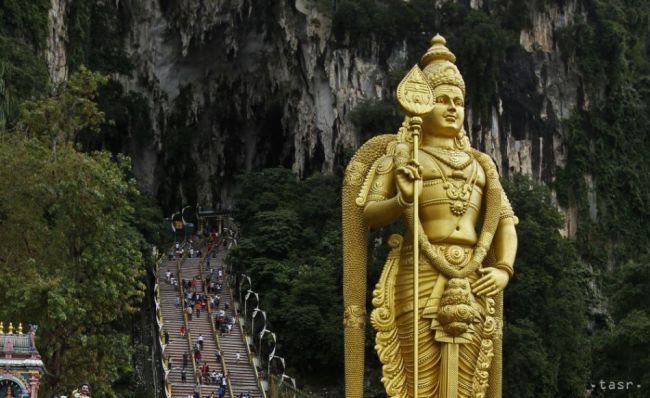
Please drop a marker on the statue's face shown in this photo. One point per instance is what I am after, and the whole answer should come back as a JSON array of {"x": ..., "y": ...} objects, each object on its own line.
[{"x": 446, "y": 118}]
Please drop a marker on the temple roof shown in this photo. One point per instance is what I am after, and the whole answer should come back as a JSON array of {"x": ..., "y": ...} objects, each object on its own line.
[
  {"x": 17, "y": 349},
  {"x": 17, "y": 343}
]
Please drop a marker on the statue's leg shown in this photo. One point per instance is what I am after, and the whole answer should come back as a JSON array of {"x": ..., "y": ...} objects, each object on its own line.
[
  {"x": 429, "y": 354},
  {"x": 468, "y": 356},
  {"x": 429, "y": 349}
]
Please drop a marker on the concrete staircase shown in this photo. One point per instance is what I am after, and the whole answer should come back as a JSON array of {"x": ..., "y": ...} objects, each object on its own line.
[
  {"x": 173, "y": 317},
  {"x": 173, "y": 320},
  {"x": 201, "y": 325},
  {"x": 242, "y": 373}
]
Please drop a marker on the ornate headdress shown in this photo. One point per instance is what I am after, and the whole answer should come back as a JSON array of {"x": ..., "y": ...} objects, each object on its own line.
[{"x": 438, "y": 65}]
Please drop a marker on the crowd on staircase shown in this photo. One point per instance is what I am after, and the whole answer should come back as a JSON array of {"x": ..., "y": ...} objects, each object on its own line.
[{"x": 203, "y": 297}]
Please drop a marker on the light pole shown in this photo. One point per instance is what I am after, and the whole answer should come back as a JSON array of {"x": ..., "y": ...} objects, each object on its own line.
[
  {"x": 272, "y": 357},
  {"x": 263, "y": 332},
  {"x": 258, "y": 311},
  {"x": 171, "y": 220},
  {"x": 257, "y": 298},
  {"x": 184, "y": 222},
  {"x": 271, "y": 354},
  {"x": 183, "y": 213},
  {"x": 293, "y": 382},
  {"x": 244, "y": 277}
]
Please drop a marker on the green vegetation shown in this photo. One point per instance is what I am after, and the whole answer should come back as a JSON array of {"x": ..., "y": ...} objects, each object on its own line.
[
  {"x": 547, "y": 350},
  {"x": 607, "y": 140},
  {"x": 97, "y": 31},
  {"x": 23, "y": 72},
  {"x": 290, "y": 248},
  {"x": 375, "y": 117},
  {"x": 25, "y": 21},
  {"x": 62, "y": 116},
  {"x": 607, "y": 177},
  {"x": 479, "y": 38},
  {"x": 622, "y": 351},
  {"x": 72, "y": 241}
]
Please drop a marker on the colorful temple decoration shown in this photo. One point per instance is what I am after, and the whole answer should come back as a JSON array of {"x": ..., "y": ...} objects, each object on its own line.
[{"x": 21, "y": 367}]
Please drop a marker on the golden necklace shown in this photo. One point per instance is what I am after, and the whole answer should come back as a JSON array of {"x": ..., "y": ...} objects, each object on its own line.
[
  {"x": 459, "y": 192},
  {"x": 457, "y": 160}
]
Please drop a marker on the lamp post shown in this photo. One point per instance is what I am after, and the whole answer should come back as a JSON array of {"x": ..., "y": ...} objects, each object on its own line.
[
  {"x": 255, "y": 312},
  {"x": 257, "y": 298},
  {"x": 263, "y": 332},
  {"x": 293, "y": 382},
  {"x": 183, "y": 219},
  {"x": 272, "y": 357},
  {"x": 244, "y": 277},
  {"x": 171, "y": 220}
]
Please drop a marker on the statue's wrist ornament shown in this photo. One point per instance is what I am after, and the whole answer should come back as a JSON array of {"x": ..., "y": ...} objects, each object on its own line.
[
  {"x": 401, "y": 203},
  {"x": 505, "y": 267}
]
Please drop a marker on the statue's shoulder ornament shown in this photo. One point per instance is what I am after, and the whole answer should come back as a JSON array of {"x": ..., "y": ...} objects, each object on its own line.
[{"x": 375, "y": 157}]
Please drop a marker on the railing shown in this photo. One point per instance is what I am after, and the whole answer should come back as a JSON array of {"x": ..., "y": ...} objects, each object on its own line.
[
  {"x": 248, "y": 348},
  {"x": 272, "y": 356},
  {"x": 188, "y": 333},
  {"x": 214, "y": 330},
  {"x": 285, "y": 387},
  {"x": 161, "y": 322},
  {"x": 279, "y": 386},
  {"x": 160, "y": 319}
]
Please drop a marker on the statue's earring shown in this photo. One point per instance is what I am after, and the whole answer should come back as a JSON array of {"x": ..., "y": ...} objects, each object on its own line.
[{"x": 461, "y": 140}]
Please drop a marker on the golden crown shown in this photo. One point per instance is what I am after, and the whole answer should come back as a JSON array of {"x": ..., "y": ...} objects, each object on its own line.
[{"x": 439, "y": 65}]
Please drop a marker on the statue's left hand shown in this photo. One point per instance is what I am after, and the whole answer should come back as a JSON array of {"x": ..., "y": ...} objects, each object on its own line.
[{"x": 491, "y": 283}]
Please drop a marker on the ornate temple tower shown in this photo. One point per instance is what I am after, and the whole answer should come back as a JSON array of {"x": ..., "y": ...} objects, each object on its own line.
[{"x": 21, "y": 367}]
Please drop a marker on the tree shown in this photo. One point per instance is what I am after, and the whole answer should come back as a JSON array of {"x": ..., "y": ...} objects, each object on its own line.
[
  {"x": 70, "y": 258},
  {"x": 621, "y": 349},
  {"x": 546, "y": 347},
  {"x": 70, "y": 110},
  {"x": 290, "y": 247},
  {"x": 71, "y": 247}
]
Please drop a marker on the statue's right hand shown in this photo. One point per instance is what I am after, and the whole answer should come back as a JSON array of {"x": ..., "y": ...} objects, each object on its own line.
[{"x": 405, "y": 177}]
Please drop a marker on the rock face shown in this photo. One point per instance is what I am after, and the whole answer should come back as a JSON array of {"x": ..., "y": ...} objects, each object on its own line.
[
  {"x": 238, "y": 85},
  {"x": 55, "y": 52}
]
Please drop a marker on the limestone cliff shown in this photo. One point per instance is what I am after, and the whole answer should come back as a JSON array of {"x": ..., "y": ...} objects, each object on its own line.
[{"x": 236, "y": 85}]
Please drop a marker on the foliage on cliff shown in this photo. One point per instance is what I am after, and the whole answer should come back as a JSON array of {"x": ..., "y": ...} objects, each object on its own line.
[
  {"x": 23, "y": 72},
  {"x": 71, "y": 241},
  {"x": 479, "y": 38},
  {"x": 607, "y": 137},
  {"x": 547, "y": 349},
  {"x": 607, "y": 176}
]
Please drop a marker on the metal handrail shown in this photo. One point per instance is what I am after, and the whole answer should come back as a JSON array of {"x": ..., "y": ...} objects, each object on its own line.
[
  {"x": 248, "y": 349},
  {"x": 181, "y": 290},
  {"x": 277, "y": 385},
  {"x": 160, "y": 320}
]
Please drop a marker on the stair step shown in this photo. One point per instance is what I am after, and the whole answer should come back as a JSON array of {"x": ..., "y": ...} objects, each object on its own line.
[{"x": 242, "y": 374}]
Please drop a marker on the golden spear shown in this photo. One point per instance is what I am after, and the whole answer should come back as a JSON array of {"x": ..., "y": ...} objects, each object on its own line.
[{"x": 416, "y": 98}]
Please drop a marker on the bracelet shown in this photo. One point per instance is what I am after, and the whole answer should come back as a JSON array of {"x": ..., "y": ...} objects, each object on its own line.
[
  {"x": 505, "y": 267},
  {"x": 401, "y": 203}
]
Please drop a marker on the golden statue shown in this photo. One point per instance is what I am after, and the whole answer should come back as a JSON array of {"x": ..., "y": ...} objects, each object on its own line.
[{"x": 462, "y": 228}]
